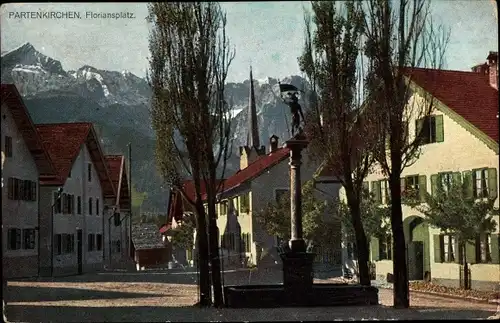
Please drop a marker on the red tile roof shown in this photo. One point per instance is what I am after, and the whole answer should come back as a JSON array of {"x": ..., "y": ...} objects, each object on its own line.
[
  {"x": 467, "y": 93},
  {"x": 63, "y": 142},
  {"x": 14, "y": 102}
]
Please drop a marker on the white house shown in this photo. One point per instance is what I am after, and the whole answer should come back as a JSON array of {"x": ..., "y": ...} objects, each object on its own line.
[
  {"x": 263, "y": 177},
  {"x": 117, "y": 226},
  {"x": 72, "y": 222},
  {"x": 23, "y": 162},
  {"x": 461, "y": 140}
]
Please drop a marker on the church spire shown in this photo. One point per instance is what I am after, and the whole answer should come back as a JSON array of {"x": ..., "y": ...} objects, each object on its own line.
[{"x": 253, "y": 129}]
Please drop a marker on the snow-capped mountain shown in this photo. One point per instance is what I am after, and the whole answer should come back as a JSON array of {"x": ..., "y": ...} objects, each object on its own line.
[{"x": 118, "y": 104}]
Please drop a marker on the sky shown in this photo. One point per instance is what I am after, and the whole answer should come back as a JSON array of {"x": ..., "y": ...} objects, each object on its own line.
[{"x": 267, "y": 35}]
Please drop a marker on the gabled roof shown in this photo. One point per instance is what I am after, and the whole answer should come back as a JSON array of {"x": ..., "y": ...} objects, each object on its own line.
[
  {"x": 118, "y": 175},
  {"x": 63, "y": 142},
  {"x": 146, "y": 236},
  {"x": 12, "y": 99},
  {"x": 254, "y": 169},
  {"x": 469, "y": 94}
]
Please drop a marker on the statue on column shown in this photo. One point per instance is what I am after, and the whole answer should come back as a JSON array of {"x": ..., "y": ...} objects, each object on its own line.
[{"x": 295, "y": 108}]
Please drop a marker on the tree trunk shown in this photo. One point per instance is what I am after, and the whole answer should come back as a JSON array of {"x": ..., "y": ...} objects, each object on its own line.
[
  {"x": 203, "y": 255},
  {"x": 400, "y": 269},
  {"x": 214, "y": 256},
  {"x": 361, "y": 241},
  {"x": 466, "y": 266}
]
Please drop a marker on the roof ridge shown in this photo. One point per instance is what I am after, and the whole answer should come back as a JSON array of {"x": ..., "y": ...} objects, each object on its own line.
[
  {"x": 443, "y": 70},
  {"x": 61, "y": 123}
]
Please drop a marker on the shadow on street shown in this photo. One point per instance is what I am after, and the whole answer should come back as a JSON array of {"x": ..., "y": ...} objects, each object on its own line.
[
  {"x": 51, "y": 294},
  {"x": 191, "y": 314}
]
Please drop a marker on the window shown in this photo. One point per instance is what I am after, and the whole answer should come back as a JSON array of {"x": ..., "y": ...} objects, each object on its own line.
[
  {"x": 57, "y": 202},
  {"x": 414, "y": 187},
  {"x": 14, "y": 239},
  {"x": 280, "y": 193},
  {"x": 430, "y": 129},
  {"x": 245, "y": 241},
  {"x": 58, "y": 244},
  {"x": 89, "y": 172},
  {"x": 28, "y": 238},
  {"x": 90, "y": 206},
  {"x": 223, "y": 208},
  {"x": 98, "y": 241},
  {"x": 445, "y": 181},
  {"x": 483, "y": 248},
  {"x": 8, "y": 146},
  {"x": 449, "y": 252},
  {"x": 351, "y": 255},
  {"x": 68, "y": 243},
  {"x": 385, "y": 247},
  {"x": 117, "y": 247},
  {"x": 245, "y": 203},
  {"x": 385, "y": 195},
  {"x": 18, "y": 189},
  {"x": 97, "y": 206},
  {"x": 90, "y": 242},
  {"x": 480, "y": 183},
  {"x": 79, "y": 205}
]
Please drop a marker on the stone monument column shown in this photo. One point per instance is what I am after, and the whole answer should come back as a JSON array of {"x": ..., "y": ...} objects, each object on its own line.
[
  {"x": 296, "y": 145},
  {"x": 297, "y": 262}
]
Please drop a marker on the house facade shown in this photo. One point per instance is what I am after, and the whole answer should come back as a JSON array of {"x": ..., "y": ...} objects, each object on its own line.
[
  {"x": 117, "y": 226},
  {"x": 23, "y": 162},
  {"x": 73, "y": 206},
  {"x": 262, "y": 179},
  {"x": 461, "y": 140}
]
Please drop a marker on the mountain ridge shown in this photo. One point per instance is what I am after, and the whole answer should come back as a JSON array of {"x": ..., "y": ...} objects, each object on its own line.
[{"x": 117, "y": 102}]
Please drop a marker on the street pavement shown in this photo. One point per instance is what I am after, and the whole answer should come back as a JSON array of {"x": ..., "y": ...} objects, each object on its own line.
[{"x": 169, "y": 296}]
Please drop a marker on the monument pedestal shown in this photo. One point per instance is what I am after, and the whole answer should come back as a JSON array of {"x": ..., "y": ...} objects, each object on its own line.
[{"x": 298, "y": 276}]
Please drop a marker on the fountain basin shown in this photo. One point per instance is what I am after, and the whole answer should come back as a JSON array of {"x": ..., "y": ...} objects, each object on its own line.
[{"x": 265, "y": 296}]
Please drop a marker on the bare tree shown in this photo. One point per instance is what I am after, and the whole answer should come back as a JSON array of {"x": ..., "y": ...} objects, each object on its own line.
[
  {"x": 400, "y": 36},
  {"x": 341, "y": 133},
  {"x": 190, "y": 57}
]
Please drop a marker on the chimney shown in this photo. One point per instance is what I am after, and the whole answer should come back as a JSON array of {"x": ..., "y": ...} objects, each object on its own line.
[
  {"x": 493, "y": 69},
  {"x": 481, "y": 69},
  {"x": 273, "y": 143}
]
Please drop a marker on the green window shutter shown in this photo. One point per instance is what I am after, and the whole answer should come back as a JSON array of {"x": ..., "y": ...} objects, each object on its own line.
[
  {"x": 438, "y": 241},
  {"x": 403, "y": 184},
  {"x": 439, "y": 128},
  {"x": 422, "y": 187},
  {"x": 366, "y": 186},
  {"x": 456, "y": 178},
  {"x": 378, "y": 195},
  {"x": 457, "y": 253},
  {"x": 470, "y": 251},
  {"x": 494, "y": 249},
  {"x": 418, "y": 126},
  {"x": 492, "y": 183},
  {"x": 467, "y": 182},
  {"x": 434, "y": 181},
  {"x": 387, "y": 142},
  {"x": 374, "y": 249}
]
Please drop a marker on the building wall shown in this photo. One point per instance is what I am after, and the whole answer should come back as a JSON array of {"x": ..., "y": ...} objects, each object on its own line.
[
  {"x": 114, "y": 233},
  {"x": 151, "y": 257},
  {"x": 78, "y": 185},
  {"x": 459, "y": 151},
  {"x": 17, "y": 213}
]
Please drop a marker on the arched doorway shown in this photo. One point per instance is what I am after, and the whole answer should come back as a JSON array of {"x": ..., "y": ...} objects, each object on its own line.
[{"x": 418, "y": 251}]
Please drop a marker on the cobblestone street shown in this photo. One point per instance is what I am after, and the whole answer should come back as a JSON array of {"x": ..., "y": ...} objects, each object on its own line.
[{"x": 162, "y": 296}]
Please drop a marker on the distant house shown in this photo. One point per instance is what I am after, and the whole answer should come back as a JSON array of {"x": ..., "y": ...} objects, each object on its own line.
[
  {"x": 71, "y": 224},
  {"x": 117, "y": 225},
  {"x": 263, "y": 177},
  {"x": 147, "y": 246},
  {"x": 461, "y": 140},
  {"x": 24, "y": 161}
]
